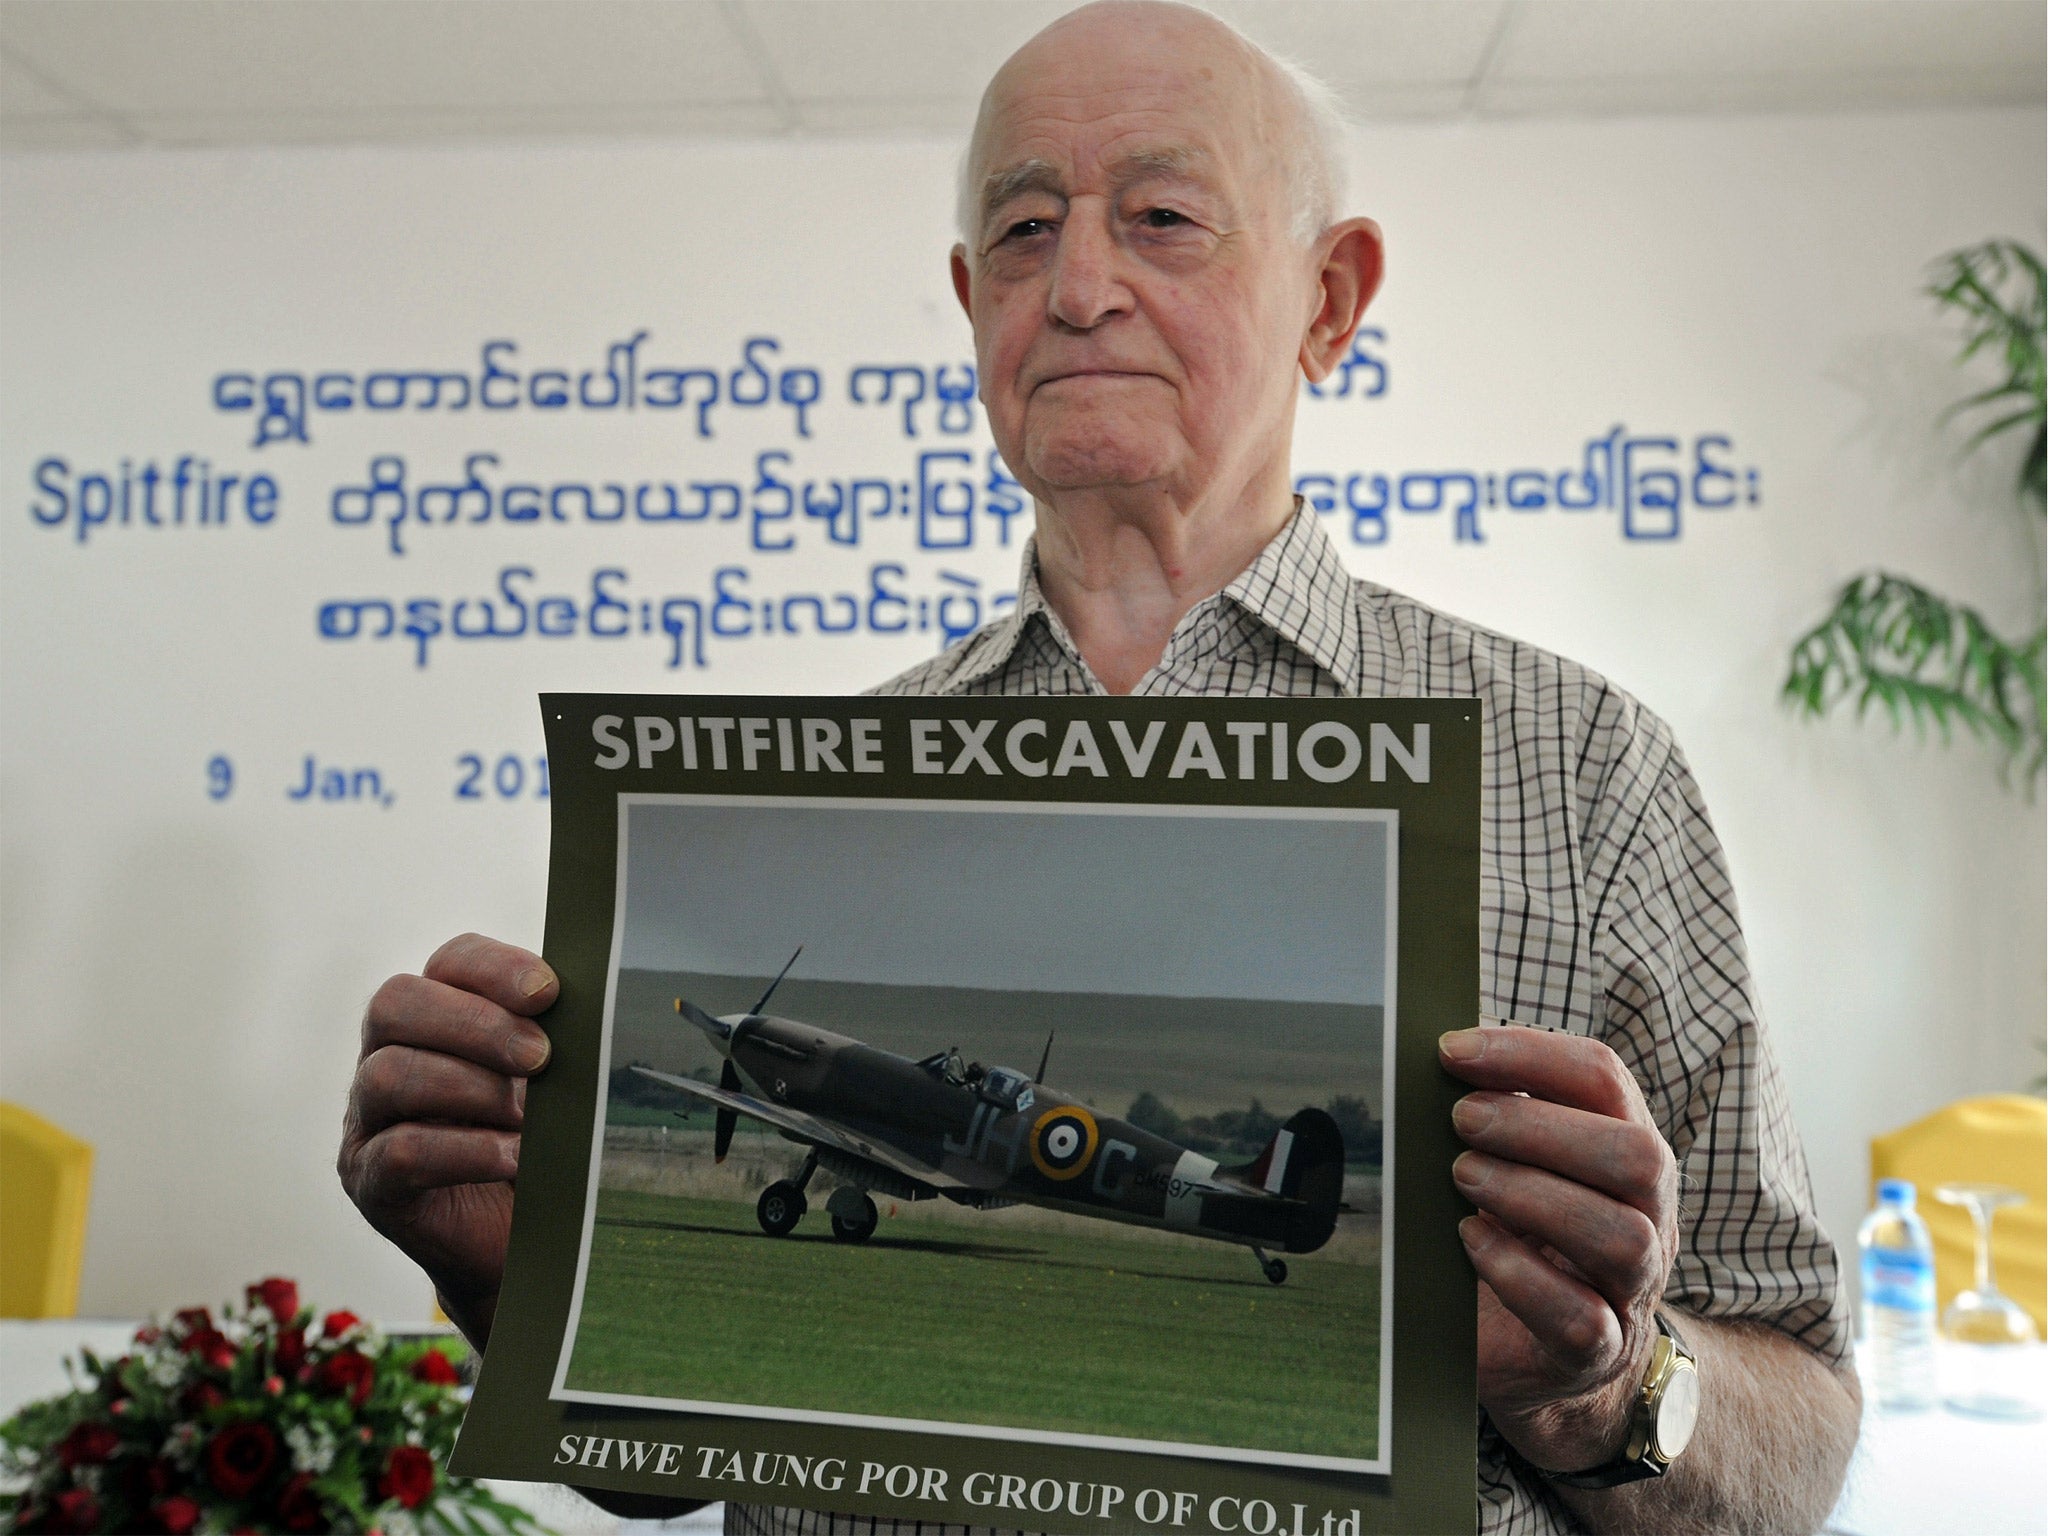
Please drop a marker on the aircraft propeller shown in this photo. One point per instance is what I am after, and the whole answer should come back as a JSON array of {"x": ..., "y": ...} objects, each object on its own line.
[
  {"x": 717, "y": 1029},
  {"x": 728, "y": 1119},
  {"x": 1045, "y": 1060},
  {"x": 776, "y": 982}
]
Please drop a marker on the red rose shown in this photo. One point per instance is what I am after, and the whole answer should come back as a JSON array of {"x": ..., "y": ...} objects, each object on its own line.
[
  {"x": 193, "y": 1320},
  {"x": 335, "y": 1324},
  {"x": 88, "y": 1445},
  {"x": 436, "y": 1369},
  {"x": 281, "y": 1297},
  {"x": 240, "y": 1457},
  {"x": 201, "y": 1396},
  {"x": 75, "y": 1509},
  {"x": 290, "y": 1350},
  {"x": 143, "y": 1479},
  {"x": 347, "y": 1373},
  {"x": 408, "y": 1476},
  {"x": 298, "y": 1506},
  {"x": 175, "y": 1515},
  {"x": 211, "y": 1346}
]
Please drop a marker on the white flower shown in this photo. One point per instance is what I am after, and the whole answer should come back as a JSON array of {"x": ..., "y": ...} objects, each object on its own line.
[
  {"x": 394, "y": 1519},
  {"x": 181, "y": 1446},
  {"x": 312, "y": 1447}
]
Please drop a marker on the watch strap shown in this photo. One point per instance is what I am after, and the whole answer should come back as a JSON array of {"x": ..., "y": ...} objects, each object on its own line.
[{"x": 1635, "y": 1462}]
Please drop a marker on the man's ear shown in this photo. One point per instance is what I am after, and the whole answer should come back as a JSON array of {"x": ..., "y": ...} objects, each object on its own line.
[
  {"x": 963, "y": 282},
  {"x": 1354, "y": 260}
]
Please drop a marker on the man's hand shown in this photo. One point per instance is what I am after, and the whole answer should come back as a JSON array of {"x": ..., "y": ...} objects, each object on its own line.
[
  {"x": 1578, "y": 1195},
  {"x": 430, "y": 1143}
]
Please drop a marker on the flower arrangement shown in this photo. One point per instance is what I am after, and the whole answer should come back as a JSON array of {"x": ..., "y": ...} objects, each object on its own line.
[{"x": 269, "y": 1420}]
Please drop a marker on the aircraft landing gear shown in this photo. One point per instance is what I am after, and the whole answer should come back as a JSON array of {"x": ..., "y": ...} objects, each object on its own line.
[
  {"x": 782, "y": 1204},
  {"x": 780, "y": 1208},
  {"x": 854, "y": 1216},
  {"x": 1275, "y": 1270}
]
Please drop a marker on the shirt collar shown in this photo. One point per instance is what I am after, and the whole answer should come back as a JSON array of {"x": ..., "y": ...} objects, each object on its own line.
[{"x": 1297, "y": 587}]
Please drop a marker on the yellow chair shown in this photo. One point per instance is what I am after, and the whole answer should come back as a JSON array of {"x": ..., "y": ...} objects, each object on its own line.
[
  {"x": 2001, "y": 1138},
  {"x": 45, "y": 1185}
]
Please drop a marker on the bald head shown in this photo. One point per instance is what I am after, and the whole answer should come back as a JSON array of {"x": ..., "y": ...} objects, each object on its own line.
[{"x": 1278, "y": 108}]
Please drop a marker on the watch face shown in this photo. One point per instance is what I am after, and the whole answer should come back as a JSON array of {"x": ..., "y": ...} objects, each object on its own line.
[{"x": 1678, "y": 1413}]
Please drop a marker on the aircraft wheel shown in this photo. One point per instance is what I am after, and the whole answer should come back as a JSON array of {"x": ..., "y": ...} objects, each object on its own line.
[
  {"x": 781, "y": 1207},
  {"x": 862, "y": 1225},
  {"x": 1276, "y": 1271}
]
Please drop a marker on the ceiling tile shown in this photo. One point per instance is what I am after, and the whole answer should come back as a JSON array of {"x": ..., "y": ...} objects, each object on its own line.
[
  {"x": 1384, "y": 102},
  {"x": 1815, "y": 39},
  {"x": 1891, "y": 91},
  {"x": 337, "y": 56},
  {"x": 947, "y": 116},
  {"x": 79, "y": 132},
  {"x": 23, "y": 94},
  {"x": 824, "y": 49},
  {"x": 412, "y": 126},
  {"x": 1356, "y": 45}
]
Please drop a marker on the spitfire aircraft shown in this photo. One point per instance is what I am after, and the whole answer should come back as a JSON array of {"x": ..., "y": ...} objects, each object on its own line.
[{"x": 987, "y": 1137}]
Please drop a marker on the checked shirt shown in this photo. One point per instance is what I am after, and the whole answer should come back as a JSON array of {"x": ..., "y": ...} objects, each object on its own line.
[{"x": 1605, "y": 909}]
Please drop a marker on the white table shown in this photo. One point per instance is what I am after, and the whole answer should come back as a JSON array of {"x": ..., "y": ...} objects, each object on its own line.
[
  {"x": 32, "y": 1356},
  {"x": 1934, "y": 1471},
  {"x": 1913, "y": 1473}
]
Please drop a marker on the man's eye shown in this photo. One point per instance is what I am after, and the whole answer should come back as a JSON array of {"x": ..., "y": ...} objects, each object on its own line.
[
  {"x": 1024, "y": 229},
  {"x": 1163, "y": 218}
]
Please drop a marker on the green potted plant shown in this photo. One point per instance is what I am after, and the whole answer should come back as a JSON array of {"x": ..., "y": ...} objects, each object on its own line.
[{"x": 1891, "y": 642}]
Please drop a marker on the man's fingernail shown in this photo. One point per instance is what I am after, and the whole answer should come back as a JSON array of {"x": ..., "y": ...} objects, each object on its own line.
[
  {"x": 534, "y": 982},
  {"x": 1474, "y": 1234},
  {"x": 1469, "y": 1171},
  {"x": 530, "y": 1052},
  {"x": 1472, "y": 1114},
  {"x": 1461, "y": 1044}
]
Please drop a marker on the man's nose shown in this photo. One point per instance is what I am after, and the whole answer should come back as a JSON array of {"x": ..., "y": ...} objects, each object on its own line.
[{"x": 1087, "y": 279}]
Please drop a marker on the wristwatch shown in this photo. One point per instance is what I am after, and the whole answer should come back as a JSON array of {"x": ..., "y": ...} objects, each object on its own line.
[{"x": 1661, "y": 1420}]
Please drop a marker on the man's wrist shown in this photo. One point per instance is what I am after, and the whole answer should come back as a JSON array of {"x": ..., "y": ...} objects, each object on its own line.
[
  {"x": 1662, "y": 1414},
  {"x": 1585, "y": 1430}
]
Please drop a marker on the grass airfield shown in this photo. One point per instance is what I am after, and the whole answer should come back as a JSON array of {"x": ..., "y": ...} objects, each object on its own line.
[{"x": 1020, "y": 1318}]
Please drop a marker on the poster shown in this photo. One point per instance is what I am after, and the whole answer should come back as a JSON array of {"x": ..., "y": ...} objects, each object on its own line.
[{"x": 1016, "y": 1112}]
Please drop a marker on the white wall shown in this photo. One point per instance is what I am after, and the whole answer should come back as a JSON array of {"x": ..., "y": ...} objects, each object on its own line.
[{"x": 183, "y": 977}]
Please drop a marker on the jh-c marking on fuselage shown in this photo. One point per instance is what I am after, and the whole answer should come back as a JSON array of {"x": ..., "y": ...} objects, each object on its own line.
[{"x": 986, "y": 1137}]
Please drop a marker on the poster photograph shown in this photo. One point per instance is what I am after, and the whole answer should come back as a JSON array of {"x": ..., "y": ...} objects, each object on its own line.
[{"x": 1001, "y": 1110}]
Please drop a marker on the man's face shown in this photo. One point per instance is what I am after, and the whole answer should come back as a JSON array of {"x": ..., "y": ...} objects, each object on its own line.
[{"x": 1137, "y": 298}]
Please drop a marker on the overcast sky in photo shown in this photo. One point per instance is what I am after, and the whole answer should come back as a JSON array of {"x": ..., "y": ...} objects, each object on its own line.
[{"x": 1286, "y": 907}]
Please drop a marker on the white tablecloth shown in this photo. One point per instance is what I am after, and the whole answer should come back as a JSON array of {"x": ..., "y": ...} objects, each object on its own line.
[{"x": 1913, "y": 1474}]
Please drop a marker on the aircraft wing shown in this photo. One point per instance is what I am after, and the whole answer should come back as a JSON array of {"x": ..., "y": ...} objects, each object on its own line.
[{"x": 794, "y": 1122}]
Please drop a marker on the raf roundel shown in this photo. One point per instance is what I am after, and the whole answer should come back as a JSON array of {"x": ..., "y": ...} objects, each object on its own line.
[{"x": 1063, "y": 1141}]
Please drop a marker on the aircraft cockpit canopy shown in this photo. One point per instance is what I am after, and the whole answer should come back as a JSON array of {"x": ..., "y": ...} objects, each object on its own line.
[
  {"x": 948, "y": 1067},
  {"x": 1010, "y": 1090}
]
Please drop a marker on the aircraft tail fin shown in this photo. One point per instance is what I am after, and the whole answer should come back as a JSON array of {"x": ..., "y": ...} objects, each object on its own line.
[{"x": 1303, "y": 1162}]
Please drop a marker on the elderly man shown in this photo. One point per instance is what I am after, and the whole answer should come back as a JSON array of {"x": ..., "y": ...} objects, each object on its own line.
[{"x": 1151, "y": 259}]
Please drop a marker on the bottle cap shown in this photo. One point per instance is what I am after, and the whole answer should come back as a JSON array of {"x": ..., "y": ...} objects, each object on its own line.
[{"x": 1895, "y": 1191}]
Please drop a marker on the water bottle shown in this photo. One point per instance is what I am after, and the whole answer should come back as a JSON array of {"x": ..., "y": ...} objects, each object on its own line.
[{"x": 1898, "y": 1298}]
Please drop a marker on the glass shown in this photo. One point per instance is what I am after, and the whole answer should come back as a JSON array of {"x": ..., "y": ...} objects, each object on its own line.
[{"x": 1987, "y": 1368}]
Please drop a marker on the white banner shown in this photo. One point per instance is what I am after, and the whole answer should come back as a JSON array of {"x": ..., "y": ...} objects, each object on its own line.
[{"x": 319, "y": 464}]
